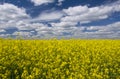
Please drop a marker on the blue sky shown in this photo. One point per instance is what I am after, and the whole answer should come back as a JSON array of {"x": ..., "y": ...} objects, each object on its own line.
[{"x": 60, "y": 18}]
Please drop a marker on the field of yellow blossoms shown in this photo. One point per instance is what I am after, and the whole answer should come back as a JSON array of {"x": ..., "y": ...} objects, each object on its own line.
[{"x": 59, "y": 59}]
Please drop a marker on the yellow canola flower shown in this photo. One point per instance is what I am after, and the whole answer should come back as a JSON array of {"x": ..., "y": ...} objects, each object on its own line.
[{"x": 59, "y": 59}]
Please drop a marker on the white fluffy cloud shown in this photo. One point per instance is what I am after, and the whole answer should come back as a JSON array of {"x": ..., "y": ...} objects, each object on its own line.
[
  {"x": 11, "y": 12},
  {"x": 77, "y": 10},
  {"x": 84, "y": 14},
  {"x": 49, "y": 16},
  {"x": 14, "y": 21},
  {"x": 2, "y": 31},
  {"x": 107, "y": 31},
  {"x": 115, "y": 27},
  {"x": 40, "y": 2},
  {"x": 64, "y": 24},
  {"x": 10, "y": 15}
]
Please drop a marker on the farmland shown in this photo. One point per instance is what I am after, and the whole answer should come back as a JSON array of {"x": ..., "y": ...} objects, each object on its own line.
[{"x": 59, "y": 59}]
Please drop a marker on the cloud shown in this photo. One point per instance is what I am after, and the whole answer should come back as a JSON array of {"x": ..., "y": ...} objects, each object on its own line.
[
  {"x": 49, "y": 16},
  {"x": 115, "y": 27},
  {"x": 60, "y": 2},
  {"x": 85, "y": 14},
  {"x": 63, "y": 29},
  {"x": 40, "y": 2},
  {"x": 23, "y": 34},
  {"x": 106, "y": 31},
  {"x": 77, "y": 10},
  {"x": 20, "y": 25},
  {"x": 14, "y": 21},
  {"x": 14, "y": 12},
  {"x": 2, "y": 31},
  {"x": 10, "y": 15},
  {"x": 64, "y": 24}
]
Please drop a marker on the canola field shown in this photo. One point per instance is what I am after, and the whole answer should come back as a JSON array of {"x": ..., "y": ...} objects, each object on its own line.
[{"x": 59, "y": 59}]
